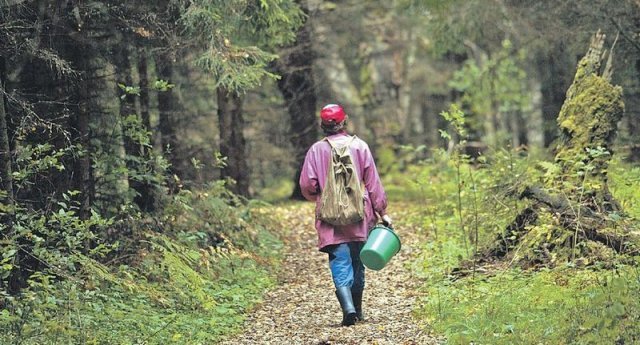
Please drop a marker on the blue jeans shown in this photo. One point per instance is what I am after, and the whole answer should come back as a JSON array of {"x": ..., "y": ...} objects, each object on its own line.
[{"x": 346, "y": 267}]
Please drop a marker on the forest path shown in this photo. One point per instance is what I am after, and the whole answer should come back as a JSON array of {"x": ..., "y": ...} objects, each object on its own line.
[{"x": 303, "y": 308}]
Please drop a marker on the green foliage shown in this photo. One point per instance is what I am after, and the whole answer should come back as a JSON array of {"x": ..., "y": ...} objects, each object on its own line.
[
  {"x": 114, "y": 170},
  {"x": 47, "y": 237},
  {"x": 624, "y": 182},
  {"x": 276, "y": 191},
  {"x": 456, "y": 118},
  {"x": 162, "y": 85},
  {"x": 190, "y": 285},
  {"x": 237, "y": 36},
  {"x": 129, "y": 90},
  {"x": 495, "y": 85},
  {"x": 33, "y": 160},
  {"x": 564, "y": 306}
]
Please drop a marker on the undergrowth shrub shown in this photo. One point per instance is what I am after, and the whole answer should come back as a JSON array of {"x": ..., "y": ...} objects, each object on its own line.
[
  {"x": 496, "y": 302},
  {"x": 186, "y": 280}
]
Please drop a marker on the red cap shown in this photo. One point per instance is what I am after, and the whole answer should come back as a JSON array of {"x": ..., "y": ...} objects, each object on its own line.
[{"x": 332, "y": 113}]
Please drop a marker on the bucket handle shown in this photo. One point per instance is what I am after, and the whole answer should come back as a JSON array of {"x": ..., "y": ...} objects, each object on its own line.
[{"x": 388, "y": 227}]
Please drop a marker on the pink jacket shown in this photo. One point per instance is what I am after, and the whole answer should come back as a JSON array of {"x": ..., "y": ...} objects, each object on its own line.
[{"x": 313, "y": 177}]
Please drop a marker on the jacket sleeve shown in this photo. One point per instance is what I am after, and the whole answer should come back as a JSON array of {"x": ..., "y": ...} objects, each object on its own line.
[
  {"x": 373, "y": 184},
  {"x": 309, "y": 177}
]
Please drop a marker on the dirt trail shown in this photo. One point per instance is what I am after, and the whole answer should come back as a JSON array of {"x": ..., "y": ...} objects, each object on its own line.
[{"x": 303, "y": 309}]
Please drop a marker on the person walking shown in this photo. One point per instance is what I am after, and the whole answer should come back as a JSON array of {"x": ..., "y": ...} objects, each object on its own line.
[{"x": 343, "y": 243}]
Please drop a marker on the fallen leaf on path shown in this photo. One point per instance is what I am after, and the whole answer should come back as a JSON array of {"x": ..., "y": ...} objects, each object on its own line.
[{"x": 304, "y": 310}]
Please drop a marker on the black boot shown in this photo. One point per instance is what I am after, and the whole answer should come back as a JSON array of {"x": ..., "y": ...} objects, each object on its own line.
[
  {"x": 346, "y": 302},
  {"x": 357, "y": 302}
]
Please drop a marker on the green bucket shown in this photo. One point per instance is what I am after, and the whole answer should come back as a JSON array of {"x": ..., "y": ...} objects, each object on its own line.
[{"x": 383, "y": 243}]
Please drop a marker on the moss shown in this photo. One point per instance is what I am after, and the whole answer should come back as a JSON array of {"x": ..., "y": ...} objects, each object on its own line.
[
  {"x": 597, "y": 251},
  {"x": 588, "y": 125},
  {"x": 589, "y": 117}
]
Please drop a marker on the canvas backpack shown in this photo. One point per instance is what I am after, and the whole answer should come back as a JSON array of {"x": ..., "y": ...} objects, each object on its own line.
[{"x": 342, "y": 200}]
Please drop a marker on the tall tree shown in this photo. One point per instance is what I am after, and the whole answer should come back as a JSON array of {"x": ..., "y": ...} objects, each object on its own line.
[
  {"x": 236, "y": 51},
  {"x": 232, "y": 141},
  {"x": 298, "y": 88}
]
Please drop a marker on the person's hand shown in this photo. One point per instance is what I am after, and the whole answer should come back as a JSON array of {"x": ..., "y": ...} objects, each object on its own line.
[{"x": 386, "y": 221}]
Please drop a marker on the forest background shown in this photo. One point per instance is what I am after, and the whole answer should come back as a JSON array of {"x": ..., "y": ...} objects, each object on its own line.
[{"x": 136, "y": 139}]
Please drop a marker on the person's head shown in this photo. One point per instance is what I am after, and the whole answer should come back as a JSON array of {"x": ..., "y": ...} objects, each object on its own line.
[{"x": 333, "y": 119}]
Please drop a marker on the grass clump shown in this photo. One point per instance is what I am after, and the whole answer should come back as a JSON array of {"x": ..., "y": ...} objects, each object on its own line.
[{"x": 560, "y": 306}]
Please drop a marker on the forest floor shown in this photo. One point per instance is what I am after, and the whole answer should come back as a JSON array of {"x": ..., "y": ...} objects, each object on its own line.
[{"x": 303, "y": 308}]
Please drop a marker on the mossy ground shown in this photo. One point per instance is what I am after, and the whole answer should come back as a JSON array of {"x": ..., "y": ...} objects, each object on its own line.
[{"x": 497, "y": 302}]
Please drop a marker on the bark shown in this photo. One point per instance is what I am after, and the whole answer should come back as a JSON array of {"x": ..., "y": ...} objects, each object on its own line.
[
  {"x": 143, "y": 72},
  {"x": 125, "y": 76},
  {"x": 432, "y": 106},
  {"x": 298, "y": 88},
  {"x": 518, "y": 130},
  {"x": 232, "y": 141},
  {"x": 169, "y": 109},
  {"x": 534, "y": 122},
  {"x": 6, "y": 179},
  {"x": 144, "y": 198},
  {"x": 82, "y": 167},
  {"x": 16, "y": 277},
  {"x": 127, "y": 101},
  {"x": 554, "y": 72},
  {"x": 405, "y": 88},
  {"x": 79, "y": 122}
]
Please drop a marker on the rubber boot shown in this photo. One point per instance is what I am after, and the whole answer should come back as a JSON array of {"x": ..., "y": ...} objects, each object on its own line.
[
  {"x": 346, "y": 302},
  {"x": 357, "y": 303}
]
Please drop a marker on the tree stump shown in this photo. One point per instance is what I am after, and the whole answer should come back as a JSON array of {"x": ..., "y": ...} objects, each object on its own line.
[{"x": 574, "y": 217}]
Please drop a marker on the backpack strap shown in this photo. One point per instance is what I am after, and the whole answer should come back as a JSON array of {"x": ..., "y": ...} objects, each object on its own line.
[{"x": 333, "y": 146}]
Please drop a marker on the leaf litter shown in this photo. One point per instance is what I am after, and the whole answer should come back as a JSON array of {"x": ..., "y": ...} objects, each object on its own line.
[{"x": 303, "y": 309}]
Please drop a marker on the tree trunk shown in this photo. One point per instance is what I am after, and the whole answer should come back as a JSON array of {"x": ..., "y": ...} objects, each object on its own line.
[
  {"x": 232, "y": 141},
  {"x": 143, "y": 72},
  {"x": 86, "y": 95},
  {"x": 134, "y": 151},
  {"x": 578, "y": 198},
  {"x": 534, "y": 122},
  {"x": 588, "y": 123},
  {"x": 82, "y": 167},
  {"x": 298, "y": 88},
  {"x": 127, "y": 100},
  {"x": 432, "y": 106},
  {"x": 145, "y": 198},
  {"x": 333, "y": 82},
  {"x": 554, "y": 76},
  {"x": 406, "y": 64},
  {"x": 6, "y": 180},
  {"x": 632, "y": 100},
  {"x": 16, "y": 278},
  {"x": 168, "y": 108},
  {"x": 517, "y": 129}
]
